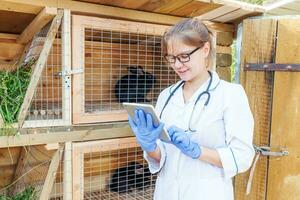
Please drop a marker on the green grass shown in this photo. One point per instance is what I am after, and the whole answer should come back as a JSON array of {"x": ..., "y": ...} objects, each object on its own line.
[{"x": 28, "y": 194}]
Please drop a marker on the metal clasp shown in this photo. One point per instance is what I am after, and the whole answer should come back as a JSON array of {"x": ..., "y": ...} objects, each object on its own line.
[
  {"x": 266, "y": 151},
  {"x": 70, "y": 72}
]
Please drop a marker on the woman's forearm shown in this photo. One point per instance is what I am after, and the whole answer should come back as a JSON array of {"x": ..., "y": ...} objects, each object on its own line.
[
  {"x": 211, "y": 156},
  {"x": 156, "y": 154}
]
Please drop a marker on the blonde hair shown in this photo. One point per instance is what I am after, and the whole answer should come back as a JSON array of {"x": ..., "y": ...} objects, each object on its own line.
[{"x": 192, "y": 32}]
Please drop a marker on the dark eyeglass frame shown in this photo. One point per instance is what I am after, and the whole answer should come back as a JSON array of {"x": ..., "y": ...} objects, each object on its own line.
[{"x": 181, "y": 56}]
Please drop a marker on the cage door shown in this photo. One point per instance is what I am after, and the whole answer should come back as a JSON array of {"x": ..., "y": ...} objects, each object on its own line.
[{"x": 121, "y": 61}]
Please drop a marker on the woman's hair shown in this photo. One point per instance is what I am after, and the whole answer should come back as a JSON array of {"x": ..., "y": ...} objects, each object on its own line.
[{"x": 191, "y": 32}]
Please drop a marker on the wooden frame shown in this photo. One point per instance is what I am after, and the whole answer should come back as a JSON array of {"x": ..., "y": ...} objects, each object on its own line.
[
  {"x": 48, "y": 184},
  {"x": 79, "y": 149},
  {"x": 78, "y": 28},
  {"x": 66, "y": 78},
  {"x": 39, "y": 66}
]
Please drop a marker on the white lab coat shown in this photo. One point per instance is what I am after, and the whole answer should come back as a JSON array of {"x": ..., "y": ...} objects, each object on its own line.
[{"x": 225, "y": 124}]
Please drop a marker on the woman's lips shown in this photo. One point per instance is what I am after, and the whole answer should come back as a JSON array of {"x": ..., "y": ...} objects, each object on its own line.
[{"x": 182, "y": 71}]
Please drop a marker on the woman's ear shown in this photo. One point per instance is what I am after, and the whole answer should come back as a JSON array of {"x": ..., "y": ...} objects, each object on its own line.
[{"x": 206, "y": 49}]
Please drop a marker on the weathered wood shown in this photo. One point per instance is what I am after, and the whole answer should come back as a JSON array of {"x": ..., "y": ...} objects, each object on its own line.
[
  {"x": 48, "y": 184},
  {"x": 115, "y": 12},
  {"x": 258, "y": 44},
  {"x": 224, "y": 38},
  {"x": 284, "y": 172},
  {"x": 67, "y": 179},
  {"x": 46, "y": 15},
  {"x": 8, "y": 36},
  {"x": 66, "y": 66},
  {"x": 63, "y": 136},
  {"x": 39, "y": 66},
  {"x": 19, "y": 7},
  {"x": 224, "y": 49},
  {"x": 224, "y": 73},
  {"x": 223, "y": 59}
]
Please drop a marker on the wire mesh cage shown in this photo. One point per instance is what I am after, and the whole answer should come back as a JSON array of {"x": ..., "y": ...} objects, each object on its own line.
[
  {"x": 31, "y": 167},
  {"x": 120, "y": 61},
  {"x": 111, "y": 169},
  {"x": 47, "y": 100}
]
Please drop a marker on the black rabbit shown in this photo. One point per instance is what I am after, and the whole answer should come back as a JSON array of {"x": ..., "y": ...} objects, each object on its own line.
[
  {"x": 134, "y": 86},
  {"x": 132, "y": 176}
]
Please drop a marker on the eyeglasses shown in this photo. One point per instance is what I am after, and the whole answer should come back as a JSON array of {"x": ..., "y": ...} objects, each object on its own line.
[{"x": 183, "y": 58}]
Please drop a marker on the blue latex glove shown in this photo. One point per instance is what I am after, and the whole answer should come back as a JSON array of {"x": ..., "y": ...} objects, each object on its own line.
[
  {"x": 145, "y": 131},
  {"x": 182, "y": 141}
]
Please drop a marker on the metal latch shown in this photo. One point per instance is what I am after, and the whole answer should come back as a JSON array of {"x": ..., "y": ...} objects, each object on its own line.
[
  {"x": 70, "y": 72},
  {"x": 266, "y": 151}
]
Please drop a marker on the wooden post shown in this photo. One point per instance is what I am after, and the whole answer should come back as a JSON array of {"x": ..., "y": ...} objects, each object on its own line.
[
  {"x": 45, "y": 194},
  {"x": 66, "y": 67},
  {"x": 38, "y": 68},
  {"x": 37, "y": 24},
  {"x": 68, "y": 171}
]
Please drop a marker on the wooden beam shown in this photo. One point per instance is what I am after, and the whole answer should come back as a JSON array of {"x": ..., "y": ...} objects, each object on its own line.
[
  {"x": 8, "y": 36},
  {"x": 48, "y": 184},
  {"x": 63, "y": 136},
  {"x": 10, "y": 51},
  {"x": 115, "y": 12},
  {"x": 66, "y": 66},
  {"x": 46, "y": 15},
  {"x": 67, "y": 171},
  {"x": 20, "y": 7},
  {"x": 39, "y": 66}
]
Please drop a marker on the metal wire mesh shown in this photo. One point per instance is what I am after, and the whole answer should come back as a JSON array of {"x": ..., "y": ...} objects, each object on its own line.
[
  {"x": 47, "y": 100},
  {"x": 117, "y": 172},
  {"x": 122, "y": 67},
  {"x": 30, "y": 170}
]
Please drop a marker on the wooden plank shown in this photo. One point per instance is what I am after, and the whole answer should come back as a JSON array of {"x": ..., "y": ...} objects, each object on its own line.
[
  {"x": 223, "y": 60},
  {"x": 66, "y": 66},
  {"x": 114, "y": 12},
  {"x": 48, "y": 184},
  {"x": 217, "y": 12},
  {"x": 234, "y": 15},
  {"x": 224, "y": 49},
  {"x": 39, "y": 66},
  {"x": 67, "y": 181},
  {"x": 77, "y": 173},
  {"x": 258, "y": 44},
  {"x": 172, "y": 5},
  {"x": 283, "y": 181},
  {"x": 46, "y": 15},
  {"x": 9, "y": 36},
  {"x": 19, "y": 7},
  {"x": 224, "y": 38},
  {"x": 105, "y": 145},
  {"x": 63, "y": 136},
  {"x": 224, "y": 73},
  {"x": 194, "y": 8},
  {"x": 10, "y": 51}
]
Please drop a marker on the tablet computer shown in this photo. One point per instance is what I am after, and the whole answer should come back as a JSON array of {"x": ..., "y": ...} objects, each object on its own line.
[{"x": 147, "y": 108}]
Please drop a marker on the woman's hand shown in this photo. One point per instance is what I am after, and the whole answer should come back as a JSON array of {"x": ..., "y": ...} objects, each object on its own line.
[
  {"x": 145, "y": 131},
  {"x": 183, "y": 142}
]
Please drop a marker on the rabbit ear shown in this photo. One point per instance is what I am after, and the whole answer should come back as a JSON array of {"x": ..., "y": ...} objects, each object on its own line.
[{"x": 136, "y": 70}]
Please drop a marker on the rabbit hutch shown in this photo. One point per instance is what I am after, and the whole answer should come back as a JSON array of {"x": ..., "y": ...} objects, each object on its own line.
[{"x": 67, "y": 66}]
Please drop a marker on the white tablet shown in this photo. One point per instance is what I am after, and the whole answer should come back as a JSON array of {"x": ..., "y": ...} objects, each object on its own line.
[{"x": 147, "y": 108}]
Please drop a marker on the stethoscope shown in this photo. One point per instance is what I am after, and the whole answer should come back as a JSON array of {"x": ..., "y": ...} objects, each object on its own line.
[{"x": 206, "y": 92}]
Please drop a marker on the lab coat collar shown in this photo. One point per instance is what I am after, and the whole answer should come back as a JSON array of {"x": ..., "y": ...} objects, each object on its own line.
[{"x": 178, "y": 99}]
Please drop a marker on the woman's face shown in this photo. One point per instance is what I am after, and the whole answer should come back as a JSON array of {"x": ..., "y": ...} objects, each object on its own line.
[{"x": 193, "y": 69}]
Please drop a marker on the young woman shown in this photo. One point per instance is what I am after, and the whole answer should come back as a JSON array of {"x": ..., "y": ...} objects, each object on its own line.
[{"x": 208, "y": 119}]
